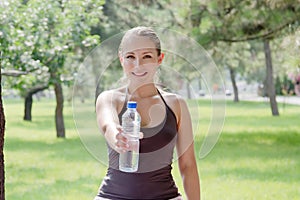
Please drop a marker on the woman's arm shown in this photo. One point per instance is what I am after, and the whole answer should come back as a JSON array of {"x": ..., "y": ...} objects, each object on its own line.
[
  {"x": 108, "y": 121},
  {"x": 185, "y": 150}
]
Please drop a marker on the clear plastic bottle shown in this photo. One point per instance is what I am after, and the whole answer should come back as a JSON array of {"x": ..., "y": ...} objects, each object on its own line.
[{"x": 128, "y": 161}]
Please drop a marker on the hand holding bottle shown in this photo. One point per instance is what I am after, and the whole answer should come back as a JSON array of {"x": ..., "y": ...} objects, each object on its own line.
[{"x": 122, "y": 144}]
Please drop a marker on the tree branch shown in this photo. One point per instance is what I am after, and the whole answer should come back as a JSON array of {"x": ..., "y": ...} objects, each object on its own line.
[
  {"x": 14, "y": 73},
  {"x": 126, "y": 9},
  {"x": 36, "y": 89},
  {"x": 267, "y": 34},
  {"x": 174, "y": 21}
]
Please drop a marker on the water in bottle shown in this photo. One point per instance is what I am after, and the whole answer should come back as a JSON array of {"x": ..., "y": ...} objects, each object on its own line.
[{"x": 128, "y": 161}]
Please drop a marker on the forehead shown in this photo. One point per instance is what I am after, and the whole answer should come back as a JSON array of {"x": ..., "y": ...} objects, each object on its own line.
[{"x": 134, "y": 43}]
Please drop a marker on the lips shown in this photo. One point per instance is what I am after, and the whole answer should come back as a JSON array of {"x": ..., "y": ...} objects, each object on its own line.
[{"x": 139, "y": 74}]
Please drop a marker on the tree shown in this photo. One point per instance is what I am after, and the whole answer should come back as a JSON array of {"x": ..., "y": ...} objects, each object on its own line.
[
  {"x": 239, "y": 21},
  {"x": 269, "y": 79},
  {"x": 39, "y": 37},
  {"x": 291, "y": 51},
  {"x": 235, "y": 58},
  {"x": 28, "y": 84},
  {"x": 2, "y": 131},
  {"x": 29, "y": 100}
]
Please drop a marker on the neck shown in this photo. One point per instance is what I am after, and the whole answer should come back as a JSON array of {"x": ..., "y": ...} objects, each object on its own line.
[{"x": 144, "y": 91}]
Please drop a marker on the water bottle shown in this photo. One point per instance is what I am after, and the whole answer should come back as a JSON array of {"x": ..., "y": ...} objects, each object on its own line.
[{"x": 129, "y": 160}]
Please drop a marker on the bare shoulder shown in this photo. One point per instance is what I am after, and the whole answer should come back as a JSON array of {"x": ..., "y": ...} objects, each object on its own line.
[
  {"x": 113, "y": 97},
  {"x": 171, "y": 97},
  {"x": 175, "y": 102}
]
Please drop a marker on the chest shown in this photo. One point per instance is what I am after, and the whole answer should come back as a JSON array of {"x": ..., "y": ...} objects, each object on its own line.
[
  {"x": 152, "y": 115},
  {"x": 152, "y": 111}
]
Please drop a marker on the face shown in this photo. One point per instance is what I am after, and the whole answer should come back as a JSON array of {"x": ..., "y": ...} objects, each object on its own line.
[{"x": 139, "y": 59}]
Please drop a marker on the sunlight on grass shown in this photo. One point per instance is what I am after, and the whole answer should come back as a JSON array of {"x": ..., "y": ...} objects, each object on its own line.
[{"x": 257, "y": 156}]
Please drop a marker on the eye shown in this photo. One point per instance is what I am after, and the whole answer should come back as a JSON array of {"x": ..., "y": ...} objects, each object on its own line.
[
  {"x": 147, "y": 56},
  {"x": 130, "y": 57}
]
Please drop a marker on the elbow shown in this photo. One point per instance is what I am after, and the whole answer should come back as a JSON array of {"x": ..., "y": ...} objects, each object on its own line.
[
  {"x": 185, "y": 169},
  {"x": 187, "y": 166}
]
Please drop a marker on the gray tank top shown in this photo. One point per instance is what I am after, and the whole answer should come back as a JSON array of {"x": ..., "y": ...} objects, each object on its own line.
[{"x": 153, "y": 180}]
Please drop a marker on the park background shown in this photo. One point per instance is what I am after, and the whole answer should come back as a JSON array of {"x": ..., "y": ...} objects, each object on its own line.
[{"x": 255, "y": 44}]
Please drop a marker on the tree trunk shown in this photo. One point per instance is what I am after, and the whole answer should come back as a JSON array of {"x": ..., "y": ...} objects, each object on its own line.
[
  {"x": 27, "y": 109},
  {"x": 2, "y": 131},
  {"x": 28, "y": 101},
  {"x": 59, "y": 119},
  {"x": 55, "y": 80},
  {"x": 234, "y": 86},
  {"x": 269, "y": 79}
]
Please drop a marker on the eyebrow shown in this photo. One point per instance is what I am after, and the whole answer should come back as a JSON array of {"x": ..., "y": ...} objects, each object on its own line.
[
  {"x": 130, "y": 52},
  {"x": 147, "y": 52}
]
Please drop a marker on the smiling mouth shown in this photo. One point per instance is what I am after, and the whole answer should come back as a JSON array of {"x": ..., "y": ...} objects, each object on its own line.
[{"x": 139, "y": 74}]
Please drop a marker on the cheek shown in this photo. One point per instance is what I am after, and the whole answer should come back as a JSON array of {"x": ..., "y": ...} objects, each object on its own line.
[
  {"x": 151, "y": 66},
  {"x": 127, "y": 66}
]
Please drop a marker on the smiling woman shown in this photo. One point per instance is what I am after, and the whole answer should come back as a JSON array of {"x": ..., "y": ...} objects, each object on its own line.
[
  {"x": 165, "y": 123},
  {"x": 140, "y": 55}
]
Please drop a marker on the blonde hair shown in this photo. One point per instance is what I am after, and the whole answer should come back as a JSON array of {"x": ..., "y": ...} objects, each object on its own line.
[{"x": 144, "y": 32}]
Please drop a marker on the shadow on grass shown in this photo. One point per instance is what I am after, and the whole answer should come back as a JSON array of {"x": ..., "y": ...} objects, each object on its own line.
[
  {"x": 38, "y": 123},
  {"x": 256, "y": 156},
  {"x": 70, "y": 149},
  {"x": 254, "y": 121},
  {"x": 58, "y": 189}
]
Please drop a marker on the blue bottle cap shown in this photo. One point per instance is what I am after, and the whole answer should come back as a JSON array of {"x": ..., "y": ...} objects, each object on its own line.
[{"x": 131, "y": 104}]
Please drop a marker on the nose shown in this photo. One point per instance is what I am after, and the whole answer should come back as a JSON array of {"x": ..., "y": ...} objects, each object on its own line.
[{"x": 137, "y": 63}]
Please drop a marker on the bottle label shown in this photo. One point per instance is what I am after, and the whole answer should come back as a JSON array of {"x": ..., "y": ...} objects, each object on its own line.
[
  {"x": 131, "y": 126},
  {"x": 131, "y": 129}
]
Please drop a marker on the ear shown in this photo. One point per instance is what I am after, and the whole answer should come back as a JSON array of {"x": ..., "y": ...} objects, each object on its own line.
[
  {"x": 121, "y": 58},
  {"x": 160, "y": 58}
]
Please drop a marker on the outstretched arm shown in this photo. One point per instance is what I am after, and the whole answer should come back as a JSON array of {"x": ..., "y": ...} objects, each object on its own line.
[{"x": 108, "y": 121}]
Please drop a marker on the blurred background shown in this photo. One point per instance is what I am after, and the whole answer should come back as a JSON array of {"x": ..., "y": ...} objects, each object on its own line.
[{"x": 254, "y": 43}]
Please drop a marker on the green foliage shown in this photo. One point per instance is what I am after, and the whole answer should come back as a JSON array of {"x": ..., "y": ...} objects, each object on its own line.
[
  {"x": 126, "y": 14},
  {"x": 284, "y": 86},
  {"x": 35, "y": 33},
  {"x": 291, "y": 49},
  {"x": 234, "y": 21},
  {"x": 40, "y": 37}
]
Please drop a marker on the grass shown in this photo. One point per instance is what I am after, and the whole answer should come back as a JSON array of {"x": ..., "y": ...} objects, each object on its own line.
[{"x": 257, "y": 156}]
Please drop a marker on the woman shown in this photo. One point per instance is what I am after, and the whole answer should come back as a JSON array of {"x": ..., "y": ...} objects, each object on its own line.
[{"x": 166, "y": 123}]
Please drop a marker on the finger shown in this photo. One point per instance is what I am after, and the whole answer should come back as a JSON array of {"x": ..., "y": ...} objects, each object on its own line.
[
  {"x": 120, "y": 137},
  {"x": 120, "y": 150},
  {"x": 119, "y": 128},
  {"x": 141, "y": 135},
  {"x": 122, "y": 145},
  {"x": 121, "y": 141}
]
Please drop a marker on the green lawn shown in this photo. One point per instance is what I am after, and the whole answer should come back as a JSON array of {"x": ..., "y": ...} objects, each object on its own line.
[{"x": 257, "y": 156}]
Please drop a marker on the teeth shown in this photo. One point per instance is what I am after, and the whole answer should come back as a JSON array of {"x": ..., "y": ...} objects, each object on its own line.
[{"x": 139, "y": 74}]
